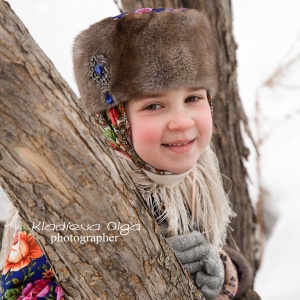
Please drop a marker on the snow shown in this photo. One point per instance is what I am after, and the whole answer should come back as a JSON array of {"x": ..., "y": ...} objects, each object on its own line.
[{"x": 268, "y": 35}]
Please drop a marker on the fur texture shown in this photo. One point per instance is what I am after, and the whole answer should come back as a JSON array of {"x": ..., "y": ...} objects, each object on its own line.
[
  {"x": 245, "y": 272},
  {"x": 146, "y": 53}
]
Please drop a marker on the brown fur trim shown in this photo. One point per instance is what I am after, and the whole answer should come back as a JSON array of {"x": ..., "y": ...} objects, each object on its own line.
[
  {"x": 245, "y": 272},
  {"x": 146, "y": 53}
]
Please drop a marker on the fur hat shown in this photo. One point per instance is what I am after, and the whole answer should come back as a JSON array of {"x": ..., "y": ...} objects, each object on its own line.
[{"x": 144, "y": 52}]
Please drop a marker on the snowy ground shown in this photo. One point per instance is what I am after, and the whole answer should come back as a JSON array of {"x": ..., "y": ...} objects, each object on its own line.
[{"x": 265, "y": 31}]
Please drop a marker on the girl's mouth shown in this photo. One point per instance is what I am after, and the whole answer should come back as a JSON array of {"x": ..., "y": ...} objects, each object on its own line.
[
  {"x": 180, "y": 146},
  {"x": 179, "y": 143}
]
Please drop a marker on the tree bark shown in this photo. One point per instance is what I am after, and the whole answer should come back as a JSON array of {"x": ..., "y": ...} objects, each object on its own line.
[
  {"x": 228, "y": 116},
  {"x": 55, "y": 168},
  {"x": 1, "y": 232}
]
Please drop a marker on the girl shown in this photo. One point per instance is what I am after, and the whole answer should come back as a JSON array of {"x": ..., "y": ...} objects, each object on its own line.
[{"x": 148, "y": 78}]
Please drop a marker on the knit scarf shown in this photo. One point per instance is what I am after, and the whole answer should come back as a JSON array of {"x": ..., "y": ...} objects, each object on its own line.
[{"x": 169, "y": 196}]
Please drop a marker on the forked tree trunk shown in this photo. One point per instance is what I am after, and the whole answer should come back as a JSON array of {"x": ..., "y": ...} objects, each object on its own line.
[
  {"x": 55, "y": 168},
  {"x": 228, "y": 116}
]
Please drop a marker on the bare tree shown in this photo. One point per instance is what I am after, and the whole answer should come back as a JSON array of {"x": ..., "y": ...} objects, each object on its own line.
[{"x": 54, "y": 166}]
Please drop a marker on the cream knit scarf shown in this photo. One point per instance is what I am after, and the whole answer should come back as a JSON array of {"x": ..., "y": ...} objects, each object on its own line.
[{"x": 170, "y": 198}]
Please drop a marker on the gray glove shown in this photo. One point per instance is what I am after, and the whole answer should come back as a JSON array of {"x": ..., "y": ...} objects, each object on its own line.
[
  {"x": 199, "y": 259},
  {"x": 210, "y": 279}
]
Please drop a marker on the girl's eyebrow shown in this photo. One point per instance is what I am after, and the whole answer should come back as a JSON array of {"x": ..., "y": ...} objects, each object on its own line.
[
  {"x": 154, "y": 95},
  {"x": 193, "y": 89}
]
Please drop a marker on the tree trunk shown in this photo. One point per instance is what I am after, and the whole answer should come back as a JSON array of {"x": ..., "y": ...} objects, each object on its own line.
[
  {"x": 1, "y": 232},
  {"x": 55, "y": 167},
  {"x": 228, "y": 116}
]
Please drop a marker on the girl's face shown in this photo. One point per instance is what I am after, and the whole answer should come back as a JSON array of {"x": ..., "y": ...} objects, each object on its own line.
[{"x": 170, "y": 130}]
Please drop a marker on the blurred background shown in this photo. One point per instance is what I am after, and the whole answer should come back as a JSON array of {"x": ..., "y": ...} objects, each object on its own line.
[{"x": 268, "y": 37}]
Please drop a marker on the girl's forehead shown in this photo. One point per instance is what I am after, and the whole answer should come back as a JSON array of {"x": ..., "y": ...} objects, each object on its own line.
[{"x": 167, "y": 93}]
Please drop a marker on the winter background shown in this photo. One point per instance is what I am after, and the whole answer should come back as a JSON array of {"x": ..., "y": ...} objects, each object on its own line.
[{"x": 268, "y": 37}]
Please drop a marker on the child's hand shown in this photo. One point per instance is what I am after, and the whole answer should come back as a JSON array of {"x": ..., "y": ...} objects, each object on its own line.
[
  {"x": 190, "y": 249},
  {"x": 199, "y": 259},
  {"x": 210, "y": 279}
]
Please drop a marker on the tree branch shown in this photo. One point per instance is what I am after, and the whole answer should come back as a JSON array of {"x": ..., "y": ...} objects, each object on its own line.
[{"x": 56, "y": 169}]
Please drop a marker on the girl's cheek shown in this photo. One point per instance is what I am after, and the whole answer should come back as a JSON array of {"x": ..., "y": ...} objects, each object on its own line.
[
  {"x": 147, "y": 133},
  {"x": 209, "y": 125},
  {"x": 206, "y": 122}
]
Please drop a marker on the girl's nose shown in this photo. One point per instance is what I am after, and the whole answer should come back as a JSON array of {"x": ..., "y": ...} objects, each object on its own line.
[{"x": 181, "y": 121}]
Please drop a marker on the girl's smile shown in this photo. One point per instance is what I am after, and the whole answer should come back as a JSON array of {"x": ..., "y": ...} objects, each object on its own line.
[
  {"x": 180, "y": 146},
  {"x": 170, "y": 130}
]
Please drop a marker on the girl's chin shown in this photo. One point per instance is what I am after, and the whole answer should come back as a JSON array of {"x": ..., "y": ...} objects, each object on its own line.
[
  {"x": 176, "y": 167},
  {"x": 181, "y": 170}
]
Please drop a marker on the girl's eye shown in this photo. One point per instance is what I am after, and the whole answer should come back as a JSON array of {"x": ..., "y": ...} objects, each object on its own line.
[
  {"x": 152, "y": 106},
  {"x": 192, "y": 99}
]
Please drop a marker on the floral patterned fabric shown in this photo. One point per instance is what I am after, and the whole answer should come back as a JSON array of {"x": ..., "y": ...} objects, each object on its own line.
[{"x": 27, "y": 273}]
